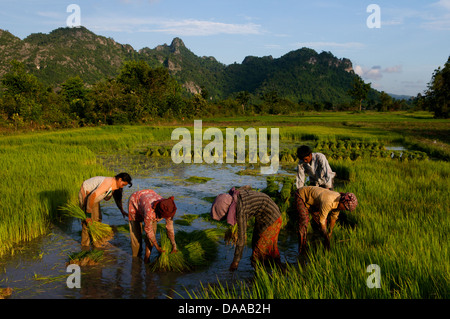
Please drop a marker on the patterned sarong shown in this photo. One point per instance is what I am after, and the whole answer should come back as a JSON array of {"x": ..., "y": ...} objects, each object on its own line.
[
  {"x": 266, "y": 246},
  {"x": 303, "y": 221}
]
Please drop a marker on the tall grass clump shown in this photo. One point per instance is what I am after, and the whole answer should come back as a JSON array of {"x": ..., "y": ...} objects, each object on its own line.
[{"x": 38, "y": 178}]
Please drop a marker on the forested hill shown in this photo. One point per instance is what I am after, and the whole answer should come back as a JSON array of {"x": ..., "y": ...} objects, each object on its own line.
[{"x": 301, "y": 75}]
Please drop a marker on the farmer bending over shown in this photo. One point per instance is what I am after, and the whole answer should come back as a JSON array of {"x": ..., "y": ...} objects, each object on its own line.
[
  {"x": 147, "y": 207},
  {"x": 238, "y": 206},
  {"x": 320, "y": 203},
  {"x": 93, "y": 190}
]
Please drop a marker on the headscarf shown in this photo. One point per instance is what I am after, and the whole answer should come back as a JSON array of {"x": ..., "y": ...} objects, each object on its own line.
[
  {"x": 166, "y": 207},
  {"x": 220, "y": 206},
  {"x": 225, "y": 204},
  {"x": 349, "y": 200}
]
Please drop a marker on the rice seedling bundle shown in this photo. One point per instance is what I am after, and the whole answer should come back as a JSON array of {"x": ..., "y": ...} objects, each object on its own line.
[
  {"x": 195, "y": 249},
  {"x": 186, "y": 220},
  {"x": 87, "y": 257},
  {"x": 99, "y": 231},
  {"x": 167, "y": 261}
]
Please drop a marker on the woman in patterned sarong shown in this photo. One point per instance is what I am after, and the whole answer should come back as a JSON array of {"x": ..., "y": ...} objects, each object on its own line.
[{"x": 237, "y": 207}]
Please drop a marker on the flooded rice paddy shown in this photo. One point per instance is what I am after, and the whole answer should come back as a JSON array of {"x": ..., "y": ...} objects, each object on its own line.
[{"x": 38, "y": 268}]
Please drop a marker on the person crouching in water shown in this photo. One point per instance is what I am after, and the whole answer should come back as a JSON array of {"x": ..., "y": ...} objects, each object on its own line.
[
  {"x": 321, "y": 203},
  {"x": 237, "y": 207},
  {"x": 148, "y": 207}
]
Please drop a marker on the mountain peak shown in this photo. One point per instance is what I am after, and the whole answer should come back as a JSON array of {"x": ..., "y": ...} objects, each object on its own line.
[{"x": 176, "y": 45}]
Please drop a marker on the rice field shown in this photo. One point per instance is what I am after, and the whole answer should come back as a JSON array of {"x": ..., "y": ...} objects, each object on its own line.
[{"x": 401, "y": 223}]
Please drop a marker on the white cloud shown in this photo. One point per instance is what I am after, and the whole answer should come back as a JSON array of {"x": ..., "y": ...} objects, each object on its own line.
[
  {"x": 445, "y": 4},
  {"x": 376, "y": 72},
  {"x": 393, "y": 69},
  {"x": 192, "y": 27},
  {"x": 439, "y": 19},
  {"x": 184, "y": 27}
]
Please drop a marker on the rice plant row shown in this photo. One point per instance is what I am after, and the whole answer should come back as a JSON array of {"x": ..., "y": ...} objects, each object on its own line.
[{"x": 352, "y": 150}]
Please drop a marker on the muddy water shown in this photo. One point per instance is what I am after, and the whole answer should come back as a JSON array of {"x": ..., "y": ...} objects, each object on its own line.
[{"x": 38, "y": 269}]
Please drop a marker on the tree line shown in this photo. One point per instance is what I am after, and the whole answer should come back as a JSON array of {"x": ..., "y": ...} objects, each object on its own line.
[{"x": 141, "y": 94}]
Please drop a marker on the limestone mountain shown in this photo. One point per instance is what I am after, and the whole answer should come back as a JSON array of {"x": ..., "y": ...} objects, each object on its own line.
[{"x": 300, "y": 75}]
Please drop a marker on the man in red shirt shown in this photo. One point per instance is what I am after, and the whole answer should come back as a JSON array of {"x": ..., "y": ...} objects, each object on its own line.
[{"x": 148, "y": 207}]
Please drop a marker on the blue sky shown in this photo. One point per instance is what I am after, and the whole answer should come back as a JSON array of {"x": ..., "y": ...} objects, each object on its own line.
[{"x": 398, "y": 57}]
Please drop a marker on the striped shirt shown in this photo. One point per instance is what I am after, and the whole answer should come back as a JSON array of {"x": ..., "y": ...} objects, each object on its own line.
[{"x": 254, "y": 204}]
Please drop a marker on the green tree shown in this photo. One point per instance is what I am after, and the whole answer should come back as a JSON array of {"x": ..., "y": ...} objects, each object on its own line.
[
  {"x": 108, "y": 100},
  {"x": 359, "y": 90},
  {"x": 243, "y": 98},
  {"x": 438, "y": 94},
  {"x": 75, "y": 94},
  {"x": 22, "y": 93},
  {"x": 385, "y": 102}
]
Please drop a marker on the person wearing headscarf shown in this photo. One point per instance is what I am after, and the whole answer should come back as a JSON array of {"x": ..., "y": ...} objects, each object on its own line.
[
  {"x": 148, "y": 207},
  {"x": 316, "y": 166},
  {"x": 321, "y": 203},
  {"x": 237, "y": 207}
]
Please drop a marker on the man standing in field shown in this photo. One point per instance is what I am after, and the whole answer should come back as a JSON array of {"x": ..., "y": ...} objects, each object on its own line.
[
  {"x": 316, "y": 166},
  {"x": 321, "y": 203},
  {"x": 93, "y": 190}
]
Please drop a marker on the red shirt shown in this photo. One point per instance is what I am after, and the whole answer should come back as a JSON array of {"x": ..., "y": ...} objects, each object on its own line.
[{"x": 141, "y": 208}]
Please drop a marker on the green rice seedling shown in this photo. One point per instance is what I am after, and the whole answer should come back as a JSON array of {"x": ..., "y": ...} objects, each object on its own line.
[
  {"x": 196, "y": 248},
  {"x": 186, "y": 219},
  {"x": 198, "y": 179},
  {"x": 73, "y": 210},
  {"x": 99, "y": 232},
  {"x": 86, "y": 258},
  {"x": 168, "y": 261},
  {"x": 200, "y": 246}
]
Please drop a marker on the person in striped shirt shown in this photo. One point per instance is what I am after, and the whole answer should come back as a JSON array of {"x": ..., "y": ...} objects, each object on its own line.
[{"x": 237, "y": 207}]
